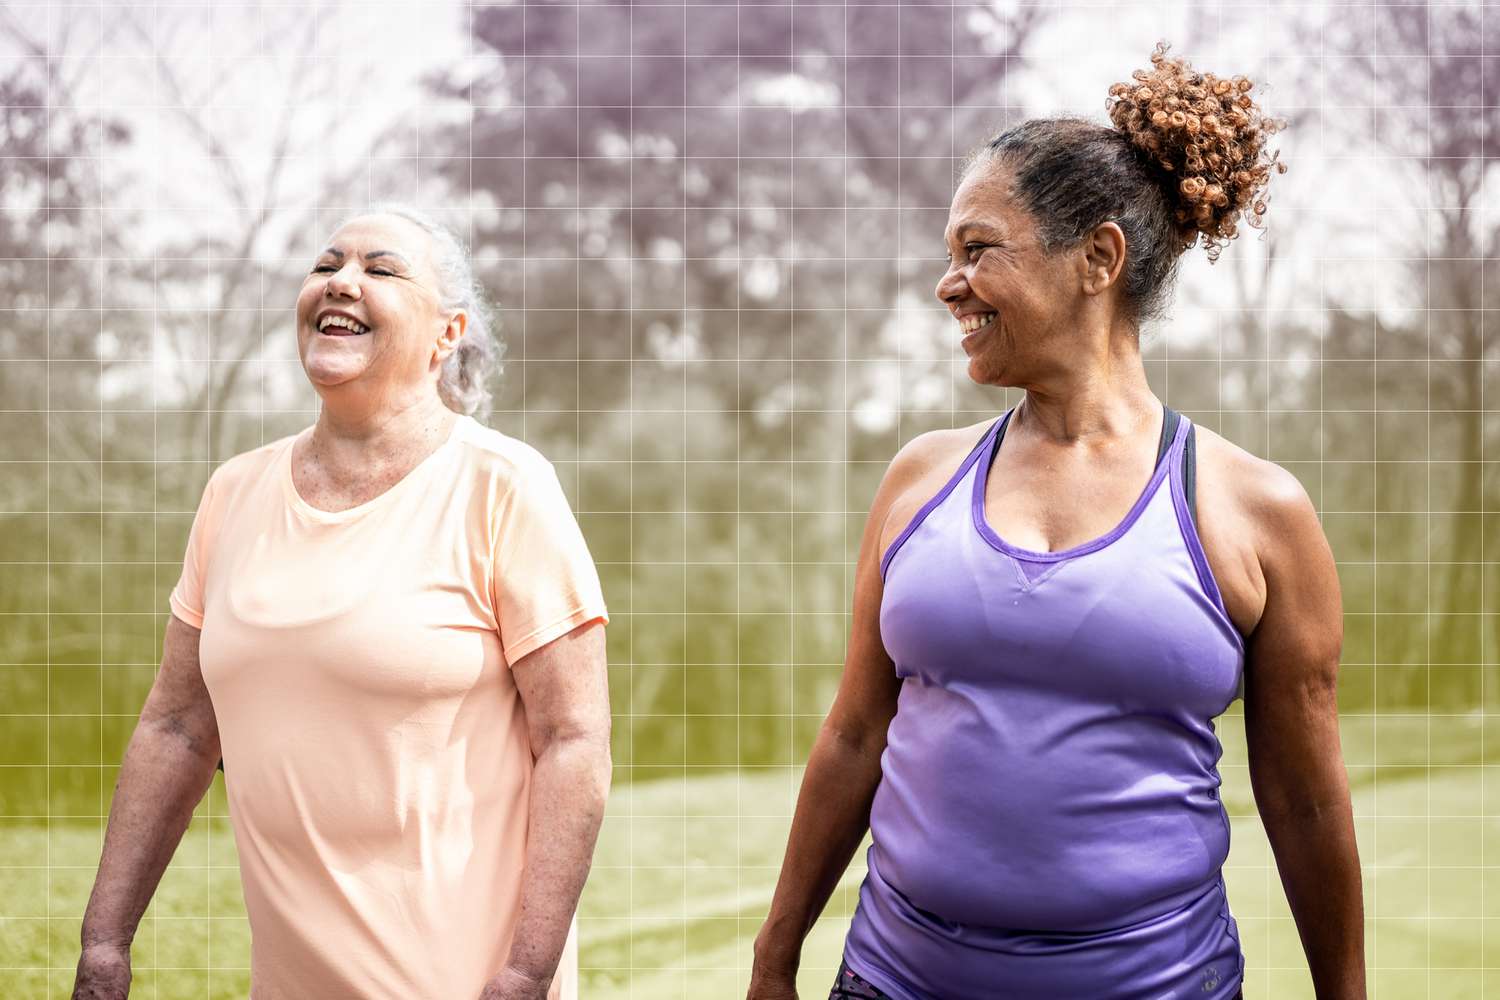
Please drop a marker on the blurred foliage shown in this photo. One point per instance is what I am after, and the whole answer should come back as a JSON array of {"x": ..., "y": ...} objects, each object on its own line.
[
  {"x": 717, "y": 231},
  {"x": 713, "y": 237},
  {"x": 714, "y": 231}
]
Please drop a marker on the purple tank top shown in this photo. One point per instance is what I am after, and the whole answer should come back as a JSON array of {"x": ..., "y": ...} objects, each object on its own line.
[{"x": 1048, "y": 821}]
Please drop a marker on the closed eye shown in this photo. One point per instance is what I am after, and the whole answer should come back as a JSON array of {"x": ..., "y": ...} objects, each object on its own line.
[{"x": 382, "y": 273}]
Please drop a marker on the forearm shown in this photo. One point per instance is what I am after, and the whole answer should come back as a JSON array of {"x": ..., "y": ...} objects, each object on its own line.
[
  {"x": 569, "y": 786},
  {"x": 832, "y": 816},
  {"x": 1318, "y": 860},
  {"x": 162, "y": 778}
]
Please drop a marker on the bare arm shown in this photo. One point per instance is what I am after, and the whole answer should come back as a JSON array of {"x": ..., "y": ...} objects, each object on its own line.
[
  {"x": 565, "y": 688},
  {"x": 1291, "y": 722},
  {"x": 168, "y": 765},
  {"x": 843, "y": 770}
]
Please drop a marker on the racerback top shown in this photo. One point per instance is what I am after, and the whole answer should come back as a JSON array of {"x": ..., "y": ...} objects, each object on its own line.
[{"x": 1048, "y": 821}]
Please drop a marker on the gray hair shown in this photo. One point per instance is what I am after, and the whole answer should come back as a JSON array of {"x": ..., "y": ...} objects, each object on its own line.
[{"x": 463, "y": 382}]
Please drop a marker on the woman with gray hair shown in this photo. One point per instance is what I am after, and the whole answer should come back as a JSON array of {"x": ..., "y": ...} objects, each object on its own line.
[{"x": 389, "y": 628}]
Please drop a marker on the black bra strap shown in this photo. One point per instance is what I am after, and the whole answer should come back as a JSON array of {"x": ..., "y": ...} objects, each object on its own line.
[
  {"x": 1190, "y": 472},
  {"x": 1189, "y": 457},
  {"x": 1168, "y": 432},
  {"x": 1004, "y": 424}
]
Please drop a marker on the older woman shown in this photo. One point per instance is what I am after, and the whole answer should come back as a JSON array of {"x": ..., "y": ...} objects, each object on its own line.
[
  {"x": 1040, "y": 643},
  {"x": 390, "y": 627}
]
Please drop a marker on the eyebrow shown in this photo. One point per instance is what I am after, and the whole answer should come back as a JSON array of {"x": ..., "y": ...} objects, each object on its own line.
[
  {"x": 338, "y": 254},
  {"x": 974, "y": 224}
]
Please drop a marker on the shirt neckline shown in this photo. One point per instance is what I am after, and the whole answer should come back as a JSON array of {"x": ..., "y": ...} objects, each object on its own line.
[
  {"x": 416, "y": 472},
  {"x": 981, "y": 480}
]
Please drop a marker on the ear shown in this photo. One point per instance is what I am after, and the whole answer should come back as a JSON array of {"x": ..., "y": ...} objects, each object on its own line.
[
  {"x": 447, "y": 341},
  {"x": 1103, "y": 258}
]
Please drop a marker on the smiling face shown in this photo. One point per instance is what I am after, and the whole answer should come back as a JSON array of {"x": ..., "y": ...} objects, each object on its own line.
[
  {"x": 369, "y": 315},
  {"x": 1013, "y": 302}
]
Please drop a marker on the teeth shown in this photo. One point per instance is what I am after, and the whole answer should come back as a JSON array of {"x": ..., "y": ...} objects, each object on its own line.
[
  {"x": 975, "y": 321},
  {"x": 346, "y": 323}
]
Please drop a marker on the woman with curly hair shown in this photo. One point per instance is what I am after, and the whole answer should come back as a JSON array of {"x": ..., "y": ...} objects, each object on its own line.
[
  {"x": 390, "y": 628},
  {"x": 1040, "y": 643}
]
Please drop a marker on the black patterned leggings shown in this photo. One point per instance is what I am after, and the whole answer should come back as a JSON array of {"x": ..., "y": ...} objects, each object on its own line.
[{"x": 849, "y": 986}]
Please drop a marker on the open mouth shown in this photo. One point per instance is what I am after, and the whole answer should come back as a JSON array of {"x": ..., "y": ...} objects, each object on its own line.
[
  {"x": 974, "y": 322},
  {"x": 341, "y": 326}
]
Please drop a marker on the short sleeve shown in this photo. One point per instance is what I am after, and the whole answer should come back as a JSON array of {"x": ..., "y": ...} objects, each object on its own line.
[
  {"x": 186, "y": 599},
  {"x": 544, "y": 583}
]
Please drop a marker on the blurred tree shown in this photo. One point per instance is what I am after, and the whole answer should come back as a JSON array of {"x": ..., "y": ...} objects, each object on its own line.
[
  {"x": 137, "y": 350},
  {"x": 226, "y": 283},
  {"x": 1257, "y": 283},
  {"x": 1435, "y": 127},
  {"x": 55, "y": 343},
  {"x": 52, "y": 244},
  {"x": 708, "y": 219}
]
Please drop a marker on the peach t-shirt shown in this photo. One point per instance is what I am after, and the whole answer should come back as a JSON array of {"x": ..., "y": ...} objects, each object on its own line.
[{"x": 376, "y": 754}]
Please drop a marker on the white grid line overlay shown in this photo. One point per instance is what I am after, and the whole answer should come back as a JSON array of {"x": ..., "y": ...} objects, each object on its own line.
[{"x": 793, "y": 508}]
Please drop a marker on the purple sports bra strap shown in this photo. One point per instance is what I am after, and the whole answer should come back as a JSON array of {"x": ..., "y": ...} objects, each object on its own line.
[{"x": 927, "y": 508}]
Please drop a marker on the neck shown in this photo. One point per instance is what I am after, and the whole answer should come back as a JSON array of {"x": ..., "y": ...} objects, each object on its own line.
[
  {"x": 1105, "y": 399},
  {"x": 346, "y": 428}
]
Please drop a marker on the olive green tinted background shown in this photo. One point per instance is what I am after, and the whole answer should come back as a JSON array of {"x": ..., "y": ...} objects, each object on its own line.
[{"x": 714, "y": 231}]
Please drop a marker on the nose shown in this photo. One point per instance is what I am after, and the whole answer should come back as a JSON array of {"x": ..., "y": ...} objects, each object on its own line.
[
  {"x": 953, "y": 285},
  {"x": 342, "y": 283}
]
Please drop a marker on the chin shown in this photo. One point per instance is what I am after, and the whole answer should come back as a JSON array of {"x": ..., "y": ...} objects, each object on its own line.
[
  {"x": 335, "y": 361},
  {"x": 323, "y": 372},
  {"x": 983, "y": 373}
]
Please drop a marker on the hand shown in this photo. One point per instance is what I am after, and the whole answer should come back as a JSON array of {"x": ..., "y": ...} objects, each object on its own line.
[
  {"x": 766, "y": 984},
  {"x": 512, "y": 984},
  {"x": 103, "y": 973}
]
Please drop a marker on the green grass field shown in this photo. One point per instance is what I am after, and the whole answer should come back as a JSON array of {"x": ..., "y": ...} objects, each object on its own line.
[{"x": 686, "y": 867}]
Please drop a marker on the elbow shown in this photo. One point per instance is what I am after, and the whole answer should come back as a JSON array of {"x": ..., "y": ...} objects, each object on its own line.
[
  {"x": 174, "y": 734},
  {"x": 601, "y": 760},
  {"x": 855, "y": 737},
  {"x": 598, "y": 774},
  {"x": 853, "y": 754},
  {"x": 1301, "y": 805},
  {"x": 585, "y": 753},
  {"x": 1296, "y": 812}
]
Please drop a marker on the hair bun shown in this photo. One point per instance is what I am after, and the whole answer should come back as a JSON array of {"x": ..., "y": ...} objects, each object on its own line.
[{"x": 1207, "y": 138}]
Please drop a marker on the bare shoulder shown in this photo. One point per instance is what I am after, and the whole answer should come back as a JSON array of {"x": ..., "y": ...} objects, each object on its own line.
[
  {"x": 934, "y": 449},
  {"x": 1269, "y": 498},
  {"x": 921, "y": 468},
  {"x": 1255, "y": 521}
]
